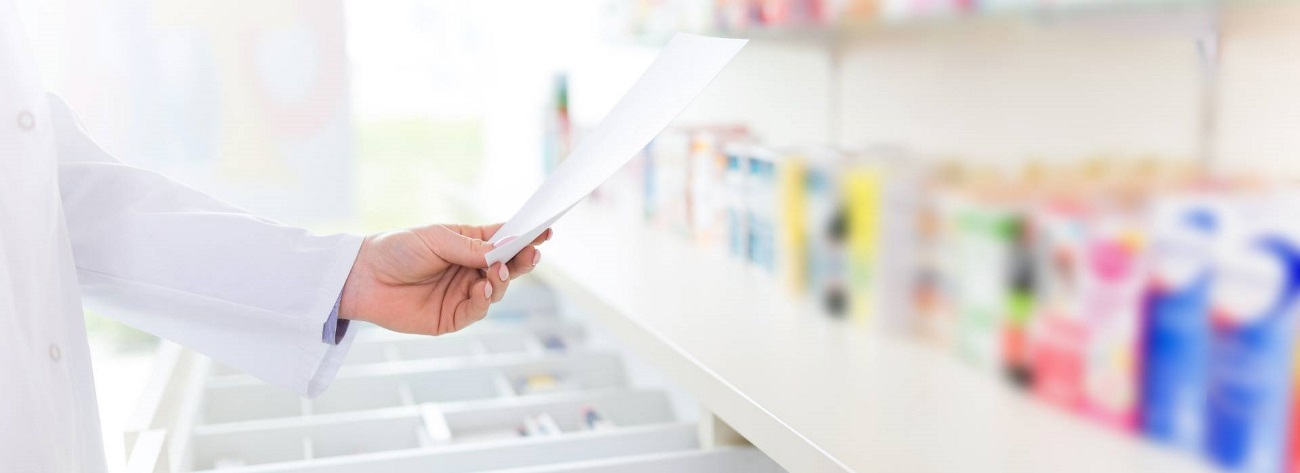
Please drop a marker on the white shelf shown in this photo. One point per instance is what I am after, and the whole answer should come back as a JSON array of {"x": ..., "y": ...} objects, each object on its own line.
[
  {"x": 813, "y": 393},
  {"x": 1170, "y": 16}
]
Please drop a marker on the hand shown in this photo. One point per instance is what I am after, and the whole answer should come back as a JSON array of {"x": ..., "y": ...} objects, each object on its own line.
[{"x": 430, "y": 280}]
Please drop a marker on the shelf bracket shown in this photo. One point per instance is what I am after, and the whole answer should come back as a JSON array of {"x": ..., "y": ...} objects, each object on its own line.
[{"x": 1208, "y": 52}]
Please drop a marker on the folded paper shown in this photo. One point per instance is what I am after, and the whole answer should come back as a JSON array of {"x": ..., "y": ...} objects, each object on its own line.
[{"x": 681, "y": 71}]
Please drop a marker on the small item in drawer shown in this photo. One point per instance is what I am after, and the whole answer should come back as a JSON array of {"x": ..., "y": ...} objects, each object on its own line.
[
  {"x": 540, "y": 383},
  {"x": 594, "y": 420},
  {"x": 538, "y": 425},
  {"x": 554, "y": 343}
]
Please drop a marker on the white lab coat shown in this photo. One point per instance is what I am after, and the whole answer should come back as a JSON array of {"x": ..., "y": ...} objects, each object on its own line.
[{"x": 143, "y": 249}]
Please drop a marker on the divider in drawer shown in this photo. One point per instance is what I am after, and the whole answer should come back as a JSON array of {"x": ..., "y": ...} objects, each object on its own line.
[
  {"x": 266, "y": 442},
  {"x": 479, "y": 421},
  {"x": 358, "y": 394},
  {"x": 433, "y": 347},
  {"x": 237, "y": 398},
  {"x": 453, "y": 386},
  {"x": 508, "y": 342},
  {"x": 232, "y": 451},
  {"x": 467, "y": 458},
  {"x": 566, "y": 373},
  {"x": 256, "y": 400},
  {"x": 748, "y": 460},
  {"x": 248, "y": 402},
  {"x": 367, "y": 436},
  {"x": 428, "y": 425},
  {"x": 583, "y": 370}
]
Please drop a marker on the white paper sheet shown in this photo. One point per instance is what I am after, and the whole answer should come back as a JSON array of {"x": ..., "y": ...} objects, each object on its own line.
[{"x": 681, "y": 71}]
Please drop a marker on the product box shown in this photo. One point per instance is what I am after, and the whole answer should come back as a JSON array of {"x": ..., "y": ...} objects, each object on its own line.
[
  {"x": 792, "y": 221},
  {"x": 1176, "y": 332},
  {"x": 827, "y": 246},
  {"x": 1114, "y": 272},
  {"x": 1022, "y": 294},
  {"x": 925, "y": 296},
  {"x": 734, "y": 180},
  {"x": 864, "y": 195},
  {"x": 666, "y": 164},
  {"x": 935, "y": 262},
  {"x": 985, "y": 239},
  {"x": 1253, "y": 305},
  {"x": 1057, "y": 332},
  {"x": 706, "y": 189},
  {"x": 760, "y": 206},
  {"x": 898, "y": 254},
  {"x": 1293, "y": 444}
]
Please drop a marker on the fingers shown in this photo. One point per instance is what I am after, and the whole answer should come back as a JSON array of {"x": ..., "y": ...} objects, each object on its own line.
[
  {"x": 475, "y": 305},
  {"x": 481, "y": 292},
  {"x": 488, "y": 232},
  {"x": 451, "y": 245},
  {"x": 498, "y": 276},
  {"x": 546, "y": 235},
  {"x": 524, "y": 262}
]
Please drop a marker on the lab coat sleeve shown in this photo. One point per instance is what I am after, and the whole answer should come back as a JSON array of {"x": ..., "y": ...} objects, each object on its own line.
[{"x": 182, "y": 265}]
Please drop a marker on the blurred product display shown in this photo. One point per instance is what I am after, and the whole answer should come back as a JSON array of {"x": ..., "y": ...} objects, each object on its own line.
[
  {"x": 496, "y": 396},
  {"x": 1139, "y": 293},
  {"x": 557, "y": 129},
  {"x": 652, "y": 19}
]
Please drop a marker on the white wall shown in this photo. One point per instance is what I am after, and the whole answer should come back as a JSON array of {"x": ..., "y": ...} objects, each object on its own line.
[
  {"x": 1260, "y": 102},
  {"x": 780, "y": 89},
  {"x": 1010, "y": 90},
  {"x": 1014, "y": 87}
]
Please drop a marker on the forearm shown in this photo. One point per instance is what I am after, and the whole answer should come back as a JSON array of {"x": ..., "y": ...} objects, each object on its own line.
[{"x": 183, "y": 265}]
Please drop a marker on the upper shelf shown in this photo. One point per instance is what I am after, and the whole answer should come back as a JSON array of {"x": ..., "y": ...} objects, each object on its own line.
[
  {"x": 813, "y": 393},
  {"x": 1145, "y": 16}
]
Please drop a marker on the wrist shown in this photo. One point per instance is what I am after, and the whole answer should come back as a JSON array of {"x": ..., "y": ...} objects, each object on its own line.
[{"x": 354, "y": 287}]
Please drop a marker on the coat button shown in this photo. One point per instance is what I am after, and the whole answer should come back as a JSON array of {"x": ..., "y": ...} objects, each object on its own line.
[
  {"x": 55, "y": 352},
  {"x": 26, "y": 121}
]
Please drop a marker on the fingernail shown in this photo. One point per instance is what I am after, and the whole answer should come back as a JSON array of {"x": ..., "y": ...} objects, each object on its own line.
[
  {"x": 487, "y": 291},
  {"x": 537, "y": 257},
  {"x": 505, "y": 273},
  {"x": 505, "y": 240},
  {"x": 549, "y": 233}
]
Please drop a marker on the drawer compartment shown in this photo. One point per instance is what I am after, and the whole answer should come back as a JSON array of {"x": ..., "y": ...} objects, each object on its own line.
[
  {"x": 486, "y": 457},
  {"x": 748, "y": 460}
]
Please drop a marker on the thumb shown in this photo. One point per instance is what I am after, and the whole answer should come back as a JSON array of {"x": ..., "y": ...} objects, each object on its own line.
[{"x": 456, "y": 248}]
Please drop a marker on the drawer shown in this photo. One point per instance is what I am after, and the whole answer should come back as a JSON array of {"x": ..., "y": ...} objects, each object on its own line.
[
  {"x": 485, "y": 457},
  {"x": 283, "y": 439},
  {"x": 748, "y": 460},
  {"x": 231, "y": 445},
  {"x": 233, "y": 398},
  {"x": 536, "y": 394}
]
